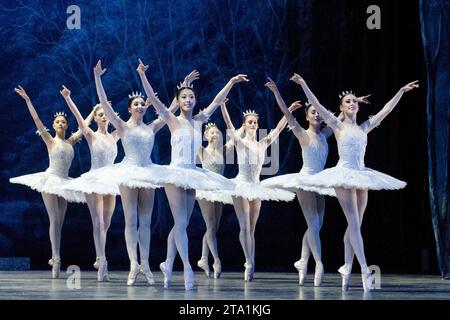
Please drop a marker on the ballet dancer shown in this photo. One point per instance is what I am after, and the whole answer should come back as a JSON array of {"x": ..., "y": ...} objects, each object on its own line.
[
  {"x": 137, "y": 196},
  {"x": 185, "y": 176},
  {"x": 50, "y": 183},
  {"x": 313, "y": 142},
  {"x": 212, "y": 158},
  {"x": 248, "y": 191},
  {"x": 100, "y": 197},
  {"x": 350, "y": 178}
]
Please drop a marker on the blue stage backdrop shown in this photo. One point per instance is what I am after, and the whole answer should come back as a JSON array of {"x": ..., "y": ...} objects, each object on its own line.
[{"x": 327, "y": 42}]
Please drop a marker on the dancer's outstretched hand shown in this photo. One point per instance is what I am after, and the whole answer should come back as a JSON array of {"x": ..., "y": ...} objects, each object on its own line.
[
  {"x": 191, "y": 77},
  {"x": 98, "y": 71},
  {"x": 363, "y": 99},
  {"x": 141, "y": 67},
  {"x": 240, "y": 78},
  {"x": 294, "y": 106},
  {"x": 271, "y": 85},
  {"x": 22, "y": 93},
  {"x": 297, "y": 79},
  {"x": 65, "y": 92},
  {"x": 410, "y": 86}
]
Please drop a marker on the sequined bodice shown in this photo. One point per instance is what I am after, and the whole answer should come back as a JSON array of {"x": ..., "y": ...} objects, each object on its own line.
[
  {"x": 137, "y": 142},
  {"x": 103, "y": 151},
  {"x": 60, "y": 158},
  {"x": 213, "y": 161},
  {"x": 250, "y": 161},
  {"x": 352, "y": 147},
  {"x": 186, "y": 142},
  {"x": 315, "y": 154}
]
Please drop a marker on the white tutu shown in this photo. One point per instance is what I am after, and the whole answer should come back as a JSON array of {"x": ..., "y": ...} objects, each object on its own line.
[
  {"x": 293, "y": 182},
  {"x": 90, "y": 183},
  {"x": 126, "y": 174},
  {"x": 213, "y": 196},
  {"x": 248, "y": 190},
  {"x": 343, "y": 177},
  {"x": 49, "y": 183},
  {"x": 187, "y": 177}
]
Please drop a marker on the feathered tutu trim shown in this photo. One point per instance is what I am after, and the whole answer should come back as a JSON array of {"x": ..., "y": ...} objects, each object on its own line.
[
  {"x": 91, "y": 182},
  {"x": 343, "y": 177},
  {"x": 49, "y": 183},
  {"x": 250, "y": 191},
  {"x": 212, "y": 196},
  {"x": 187, "y": 178},
  {"x": 293, "y": 182}
]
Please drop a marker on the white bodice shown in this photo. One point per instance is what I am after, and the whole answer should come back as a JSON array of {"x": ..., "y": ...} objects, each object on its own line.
[
  {"x": 103, "y": 151},
  {"x": 352, "y": 144},
  {"x": 250, "y": 161},
  {"x": 315, "y": 154},
  {"x": 137, "y": 142},
  {"x": 185, "y": 142},
  {"x": 60, "y": 158},
  {"x": 213, "y": 161}
]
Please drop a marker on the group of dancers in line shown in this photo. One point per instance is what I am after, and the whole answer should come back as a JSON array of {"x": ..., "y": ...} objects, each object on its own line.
[{"x": 135, "y": 178}]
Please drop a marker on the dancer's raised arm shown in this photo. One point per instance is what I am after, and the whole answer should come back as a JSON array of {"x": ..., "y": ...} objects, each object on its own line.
[
  {"x": 298, "y": 131},
  {"x": 83, "y": 124},
  {"x": 375, "y": 121},
  {"x": 48, "y": 139},
  {"x": 160, "y": 108},
  {"x": 187, "y": 82},
  {"x": 273, "y": 134},
  {"x": 118, "y": 123},
  {"x": 226, "y": 117},
  {"x": 206, "y": 113},
  {"x": 327, "y": 115}
]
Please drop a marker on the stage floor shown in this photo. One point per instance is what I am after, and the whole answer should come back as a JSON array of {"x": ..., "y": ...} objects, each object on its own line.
[{"x": 26, "y": 285}]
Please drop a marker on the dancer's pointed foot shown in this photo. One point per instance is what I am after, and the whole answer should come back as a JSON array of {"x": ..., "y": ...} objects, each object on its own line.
[
  {"x": 367, "y": 279},
  {"x": 96, "y": 263},
  {"x": 345, "y": 272},
  {"x": 145, "y": 270},
  {"x": 188, "y": 279},
  {"x": 248, "y": 274},
  {"x": 102, "y": 274},
  {"x": 134, "y": 271},
  {"x": 318, "y": 275},
  {"x": 203, "y": 264},
  {"x": 55, "y": 262},
  {"x": 217, "y": 266},
  {"x": 167, "y": 272},
  {"x": 302, "y": 268}
]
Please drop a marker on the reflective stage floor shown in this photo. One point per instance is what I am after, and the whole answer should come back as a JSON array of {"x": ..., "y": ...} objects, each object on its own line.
[{"x": 26, "y": 285}]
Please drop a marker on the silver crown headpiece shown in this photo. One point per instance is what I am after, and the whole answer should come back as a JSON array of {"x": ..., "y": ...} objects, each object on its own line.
[
  {"x": 135, "y": 95},
  {"x": 250, "y": 113},
  {"x": 185, "y": 85},
  {"x": 344, "y": 93},
  {"x": 60, "y": 113},
  {"x": 307, "y": 104},
  {"x": 210, "y": 125}
]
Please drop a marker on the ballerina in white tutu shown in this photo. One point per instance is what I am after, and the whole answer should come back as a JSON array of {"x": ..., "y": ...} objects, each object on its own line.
[
  {"x": 249, "y": 192},
  {"x": 313, "y": 142},
  {"x": 50, "y": 183},
  {"x": 350, "y": 178},
  {"x": 184, "y": 177},
  {"x": 100, "y": 197},
  {"x": 137, "y": 196},
  {"x": 212, "y": 158}
]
